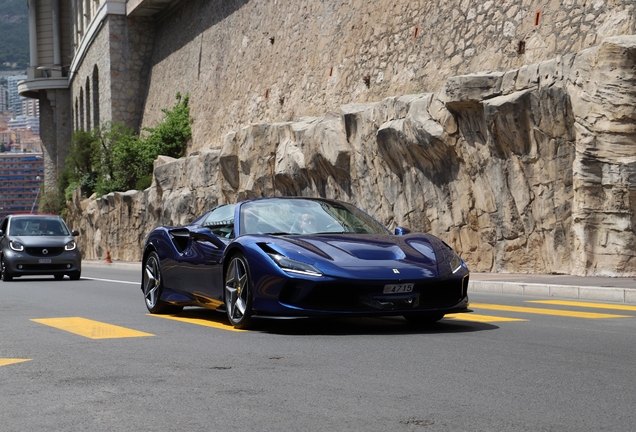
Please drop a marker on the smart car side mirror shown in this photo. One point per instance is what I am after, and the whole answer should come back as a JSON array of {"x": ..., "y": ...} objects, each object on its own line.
[
  {"x": 75, "y": 233},
  {"x": 400, "y": 231},
  {"x": 1, "y": 233}
]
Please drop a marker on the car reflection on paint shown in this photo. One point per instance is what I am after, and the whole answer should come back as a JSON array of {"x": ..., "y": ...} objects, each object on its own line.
[
  {"x": 300, "y": 257},
  {"x": 35, "y": 244}
]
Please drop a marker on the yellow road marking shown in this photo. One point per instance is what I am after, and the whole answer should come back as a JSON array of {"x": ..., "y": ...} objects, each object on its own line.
[
  {"x": 585, "y": 304},
  {"x": 90, "y": 329},
  {"x": 480, "y": 318},
  {"x": 199, "y": 321},
  {"x": 539, "y": 311},
  {"x": 10, "y": 361}
]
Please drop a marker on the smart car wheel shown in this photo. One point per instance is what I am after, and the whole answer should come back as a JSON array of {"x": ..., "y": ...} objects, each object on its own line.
[
  {"x": 423, "y": 318},
  {"x": 238, "y": 295},
  {"x": 75, "y": 275},
  {"x": 153, "y": 286},
  {"x": 4, "y": 273}
]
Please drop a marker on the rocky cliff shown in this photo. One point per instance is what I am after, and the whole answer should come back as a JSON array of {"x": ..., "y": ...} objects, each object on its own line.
[{"x": 529, "y": 170}]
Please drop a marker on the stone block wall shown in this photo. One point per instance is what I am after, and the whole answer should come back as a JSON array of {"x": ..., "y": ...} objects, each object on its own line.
[
  {"x": 116, "y": 68},
  {"x": 527, "y": 170},
  {"x": 248, "y": 61}
]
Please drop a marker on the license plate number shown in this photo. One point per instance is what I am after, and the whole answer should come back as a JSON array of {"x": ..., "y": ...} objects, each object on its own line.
[
  {"x": 398, "y": 288},
  {"x": 45, "y": 260}
]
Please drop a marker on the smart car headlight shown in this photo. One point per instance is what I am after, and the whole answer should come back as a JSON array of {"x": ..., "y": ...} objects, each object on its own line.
[
  {"x": 16, "y": 246},
  {"x": 70, "y": 245},
  {"x": 294, "y": 266}
]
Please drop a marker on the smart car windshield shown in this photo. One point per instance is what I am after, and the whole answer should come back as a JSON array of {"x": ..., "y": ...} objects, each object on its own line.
[
  {"x": 38, "y": 226},
  {"x": 284, "y": 216}
]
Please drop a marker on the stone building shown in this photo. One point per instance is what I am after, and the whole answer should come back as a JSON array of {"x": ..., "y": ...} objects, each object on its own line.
[{"x": 89, "y": 63}]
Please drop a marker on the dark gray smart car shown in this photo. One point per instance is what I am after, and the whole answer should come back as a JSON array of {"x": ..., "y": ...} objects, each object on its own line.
[{"x": 35, "y": 244}]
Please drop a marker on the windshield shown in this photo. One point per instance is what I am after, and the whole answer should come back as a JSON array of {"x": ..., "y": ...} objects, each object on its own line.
[
  {"x": 38, "y": 226},
  {"x": 305, "y": 216}
]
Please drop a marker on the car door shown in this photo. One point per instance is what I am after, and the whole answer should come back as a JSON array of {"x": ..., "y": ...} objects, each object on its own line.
[{"x": 198, "y": 269}]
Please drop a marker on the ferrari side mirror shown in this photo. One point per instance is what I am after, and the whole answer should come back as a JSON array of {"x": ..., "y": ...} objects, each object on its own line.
[
  {"x": 400, "y": 231},
  {"x": 205, "y": 234}
]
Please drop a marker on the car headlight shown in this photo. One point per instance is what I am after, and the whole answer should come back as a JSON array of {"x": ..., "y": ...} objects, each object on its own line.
[
  {"x": 291, "y": 265},
  {"x": 70, "y": 245},
  {"x": 455, "y": 262},
  {"x": 16, "y": 246}
]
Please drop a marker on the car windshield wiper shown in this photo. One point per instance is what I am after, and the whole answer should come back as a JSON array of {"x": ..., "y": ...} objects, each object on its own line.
[{"x": 277, "y": 233}]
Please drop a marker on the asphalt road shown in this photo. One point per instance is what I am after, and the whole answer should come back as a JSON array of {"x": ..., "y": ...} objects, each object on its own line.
[{"x": 85, "y": 355}]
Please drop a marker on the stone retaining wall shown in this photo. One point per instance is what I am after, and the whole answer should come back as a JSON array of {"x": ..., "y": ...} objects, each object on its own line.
[
  {"x": 528, "y": 170},
  {"x": 249, "y": 61}
]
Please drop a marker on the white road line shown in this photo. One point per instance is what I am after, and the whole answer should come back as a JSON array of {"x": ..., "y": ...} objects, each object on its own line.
[{"x": 112, "y": 280}]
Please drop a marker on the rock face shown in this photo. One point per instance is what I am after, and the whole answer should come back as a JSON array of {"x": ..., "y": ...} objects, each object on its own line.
[{"x": 530, "y": 170}]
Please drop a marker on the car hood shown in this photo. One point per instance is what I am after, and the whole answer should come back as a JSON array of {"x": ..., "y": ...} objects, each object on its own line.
[
  {"x": 378, "y": 256},
  {"x": 42, "y": 241}
]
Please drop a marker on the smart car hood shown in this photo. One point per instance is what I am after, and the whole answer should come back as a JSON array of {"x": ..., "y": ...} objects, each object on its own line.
[{"x": 42, "y": 241}]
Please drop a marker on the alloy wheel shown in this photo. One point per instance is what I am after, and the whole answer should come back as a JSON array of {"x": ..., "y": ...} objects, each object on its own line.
[
  {"x": 152, "y": 281},
  {"x": 237, "y": 292}
]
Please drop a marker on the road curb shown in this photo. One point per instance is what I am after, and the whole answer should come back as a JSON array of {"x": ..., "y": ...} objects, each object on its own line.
[
  {"x": 608, "y": 294},
  {"x": 115, "y": 264}
]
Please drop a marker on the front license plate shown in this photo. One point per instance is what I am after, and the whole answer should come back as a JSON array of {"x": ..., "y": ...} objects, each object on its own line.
[
  {"x": 398, "y": 288},
  {"x": 45, "y": 260}
]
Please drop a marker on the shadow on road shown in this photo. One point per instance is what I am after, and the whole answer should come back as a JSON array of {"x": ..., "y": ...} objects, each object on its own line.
[{"x": 342, "y": 326}]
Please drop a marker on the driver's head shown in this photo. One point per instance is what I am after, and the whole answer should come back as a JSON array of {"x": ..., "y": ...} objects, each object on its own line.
[{"x": 307, "y": 220}]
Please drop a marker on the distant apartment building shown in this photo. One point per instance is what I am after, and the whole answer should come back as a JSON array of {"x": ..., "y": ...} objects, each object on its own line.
[
  {"x": 7, "y": 138},
  {"x": 21, "y": 175},
  {"x": 15, "y": 100},
  {"x": 31, "y": 108},
  {"x": 4, "y": 99},
  {"x": 24, "y": 122}
]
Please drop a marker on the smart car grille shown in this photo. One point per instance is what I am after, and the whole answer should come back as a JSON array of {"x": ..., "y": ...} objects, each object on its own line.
[
  {"x": 39, "y": 251},
  {"x": 43, "y": 267}
]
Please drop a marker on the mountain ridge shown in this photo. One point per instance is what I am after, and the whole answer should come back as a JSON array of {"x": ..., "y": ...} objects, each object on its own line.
[{"x": 14, "y": 34}]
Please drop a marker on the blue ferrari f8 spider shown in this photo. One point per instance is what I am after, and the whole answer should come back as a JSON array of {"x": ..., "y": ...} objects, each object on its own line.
[{"x": 300, "y": 257}]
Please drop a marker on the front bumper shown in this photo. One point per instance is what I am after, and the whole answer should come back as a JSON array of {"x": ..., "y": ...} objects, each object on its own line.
[
  {"x": 22, "y": 264},
  {"x": 332, "y": 297}
]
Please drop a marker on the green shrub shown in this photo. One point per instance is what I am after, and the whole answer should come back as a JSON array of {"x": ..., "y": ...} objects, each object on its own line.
[{"x": 113, "y": 158}]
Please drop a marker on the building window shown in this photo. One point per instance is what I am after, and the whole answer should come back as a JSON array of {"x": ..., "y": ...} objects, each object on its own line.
[
  {"x": 81, "y": 113},
  {"x": 88, "y": 104},
  {"x": 76, "y": 115},
  {"x": 95, "y": 96}
]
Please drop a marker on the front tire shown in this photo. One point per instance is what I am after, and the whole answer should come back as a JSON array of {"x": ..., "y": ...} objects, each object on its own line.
[
  {"x": 4, "y": 273},
  {"x": 153, "y": 287},
  {"x": 238, "y": 292},
  {"x": 58, "y": 276},
  {"x": 75, "y": 275}
]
